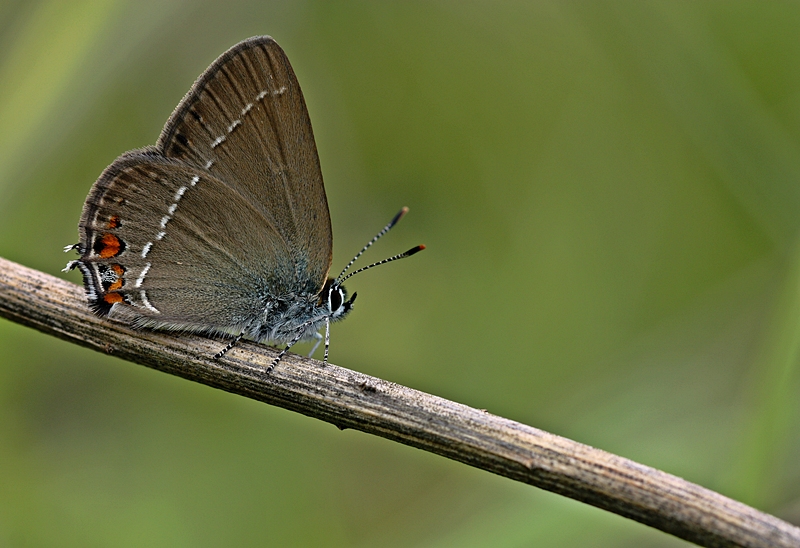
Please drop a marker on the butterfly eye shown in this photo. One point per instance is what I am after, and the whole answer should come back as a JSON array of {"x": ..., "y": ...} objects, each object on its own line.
[{"x": 335, "y": 298}]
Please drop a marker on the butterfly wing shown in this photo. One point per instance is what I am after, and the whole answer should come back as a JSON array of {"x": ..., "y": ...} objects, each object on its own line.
[
  {"x": 246, "y": 122},
  {"x": 226, "y": 212},
  {"x": 155, "y": 248}
]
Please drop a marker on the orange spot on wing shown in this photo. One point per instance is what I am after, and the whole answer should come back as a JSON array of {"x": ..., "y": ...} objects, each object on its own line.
[
  {"x": 113, "y": 222},
  {"x": 111, "y": 246},
  {"x": 112, "y": 298}
]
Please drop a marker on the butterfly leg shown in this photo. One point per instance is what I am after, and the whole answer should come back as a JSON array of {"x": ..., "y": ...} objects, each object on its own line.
[
  {"x": 318, "y": 338},
  {"x": 327, "y": 340},
  {"x": 293, "y": 342},
  {"x": 230, "y": 345}
]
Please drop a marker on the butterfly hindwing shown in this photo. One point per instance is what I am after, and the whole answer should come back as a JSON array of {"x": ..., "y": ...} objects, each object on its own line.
[{"x": 152, "y": 246}]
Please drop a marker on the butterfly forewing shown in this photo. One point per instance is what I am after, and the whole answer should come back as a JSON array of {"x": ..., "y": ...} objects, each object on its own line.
[{"x": 246, "y": 122}]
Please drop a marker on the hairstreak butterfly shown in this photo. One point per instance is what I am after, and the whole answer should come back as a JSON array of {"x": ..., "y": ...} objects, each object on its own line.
[{"x": 222, "y": 227}]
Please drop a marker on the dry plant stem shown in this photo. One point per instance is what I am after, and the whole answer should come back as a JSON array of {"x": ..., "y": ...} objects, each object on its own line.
[{"x": 349, "y": 399}]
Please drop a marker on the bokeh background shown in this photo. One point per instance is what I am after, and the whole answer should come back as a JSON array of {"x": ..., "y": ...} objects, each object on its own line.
[{"x": 609, "y": 192}]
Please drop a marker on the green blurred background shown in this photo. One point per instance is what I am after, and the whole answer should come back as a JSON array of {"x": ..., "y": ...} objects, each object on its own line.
[{"x": 609, "y": 192}]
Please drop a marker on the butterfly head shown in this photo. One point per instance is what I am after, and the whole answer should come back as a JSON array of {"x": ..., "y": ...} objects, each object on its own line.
[{"x": 337, "y": 302}]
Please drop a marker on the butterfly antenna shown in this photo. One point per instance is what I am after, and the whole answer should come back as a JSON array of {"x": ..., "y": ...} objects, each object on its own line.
[
  {"x": 383, "y": 231},
  {"x": 408, "y": 253}
]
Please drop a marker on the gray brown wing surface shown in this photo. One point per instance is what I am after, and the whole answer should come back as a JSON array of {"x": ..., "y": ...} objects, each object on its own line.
[{"x": 245, "y": 122}]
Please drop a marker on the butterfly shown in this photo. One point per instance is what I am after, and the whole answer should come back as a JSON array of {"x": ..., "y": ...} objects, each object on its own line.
[{"x": 222, "y": 227}]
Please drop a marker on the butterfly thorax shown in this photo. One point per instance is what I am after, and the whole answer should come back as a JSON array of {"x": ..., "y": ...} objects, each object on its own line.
[{"x": 300, "y": 316}]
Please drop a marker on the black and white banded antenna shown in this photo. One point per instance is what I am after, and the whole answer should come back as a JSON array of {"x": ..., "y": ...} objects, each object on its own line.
[{"x": 341, "y": 278}]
